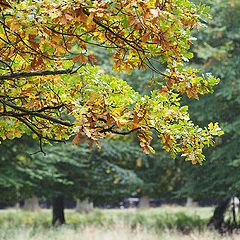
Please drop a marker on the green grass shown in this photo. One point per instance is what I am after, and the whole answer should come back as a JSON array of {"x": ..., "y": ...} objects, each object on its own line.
[
  {"x": 166, "y": 222},
  {"x": 180, "y": 218}
]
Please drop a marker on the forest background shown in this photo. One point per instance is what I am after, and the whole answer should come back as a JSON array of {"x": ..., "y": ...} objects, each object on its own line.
[{"x": 120, "y": 169}]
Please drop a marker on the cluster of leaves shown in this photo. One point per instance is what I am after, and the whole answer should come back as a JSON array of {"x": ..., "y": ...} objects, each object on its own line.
[{"x": 48, "y": 89}]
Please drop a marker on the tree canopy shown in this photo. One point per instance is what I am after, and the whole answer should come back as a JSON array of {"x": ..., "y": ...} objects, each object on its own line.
[
  {"x": 74, "y": 171},
  {"x": 50, "y": 88}
]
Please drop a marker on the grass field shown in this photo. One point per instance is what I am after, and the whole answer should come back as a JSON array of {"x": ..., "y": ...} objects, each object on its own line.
[
  {"x": 115, "y": 233},
  {"x": 165, "y": 223}
]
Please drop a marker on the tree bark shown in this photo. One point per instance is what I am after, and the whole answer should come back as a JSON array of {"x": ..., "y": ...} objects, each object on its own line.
[
  {"x": 58, "y": 217},
  {"x": 217, "y": 220},
  {"x": 17, "y": 206},
  {"x": 84, "y": 206},
  {"x": 144, "y": 202},
  {"x": 31, "y": 204},
  {"x": 191, "y": 203}
]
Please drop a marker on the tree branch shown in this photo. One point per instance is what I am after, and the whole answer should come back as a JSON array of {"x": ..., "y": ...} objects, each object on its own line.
[
  {"x": 36, "y": 132},
  {"x": 38, "y": 114},
  {"x": 5, "y": 4},
  {"x": 16, "y": 75},
  {"x": 99, "y": 23},
  {"x": 110, "y": 130}
]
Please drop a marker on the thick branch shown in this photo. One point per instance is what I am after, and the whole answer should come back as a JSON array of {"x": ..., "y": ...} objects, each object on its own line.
[
  {"x": 50, "y": 108},
  {"x": 110, "y": 130},
  {"x": 12, "y": 114},
  {"x": 38, "y": 114},
  {"x": 37, "y": 133},
  {"x": 16, "y": 75},
  {"x": 5, "y": 4}
]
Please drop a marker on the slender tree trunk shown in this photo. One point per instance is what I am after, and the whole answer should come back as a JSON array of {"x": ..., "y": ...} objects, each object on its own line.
[
  {"x": 144, "y": 202},
  {"x": 191, "y": 203},
  {"x": 31, "y": 204},
  {"x": 84, "y": 206},
  {"x": 58, "y": 211},
  {"x": 17, "y": 206}
]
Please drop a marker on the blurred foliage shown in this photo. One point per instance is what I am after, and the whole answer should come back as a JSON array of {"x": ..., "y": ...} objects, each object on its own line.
[
  {"x": 119, "y": 169},
  {"x": 218, "y": 51},
  {"x": 75, "y": 171}
]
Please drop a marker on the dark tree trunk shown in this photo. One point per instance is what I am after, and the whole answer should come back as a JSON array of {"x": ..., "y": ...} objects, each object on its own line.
[
  {"x": 217, "y": 220},
  {"x": 234, "y": 215},
  {"x": 58, "y": 211}
]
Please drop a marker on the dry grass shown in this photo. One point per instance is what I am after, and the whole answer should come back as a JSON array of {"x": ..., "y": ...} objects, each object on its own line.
[
  {"x": 127, "y": 224},
  {"x": 119, "y": 232}
]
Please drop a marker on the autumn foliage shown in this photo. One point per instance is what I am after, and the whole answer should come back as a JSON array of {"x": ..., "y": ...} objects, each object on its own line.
[{"x": 49, "y": 86}]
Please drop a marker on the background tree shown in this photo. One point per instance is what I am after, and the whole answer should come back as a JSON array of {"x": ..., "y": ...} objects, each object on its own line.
[
  {"x": 218, "y": 52},
  {"x": 162, "y": 176},
  {"x": 69, "y": 172}
]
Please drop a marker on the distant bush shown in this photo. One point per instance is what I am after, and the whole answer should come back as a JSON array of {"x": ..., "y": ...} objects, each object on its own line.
[{"x": 178, "y": 221}]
